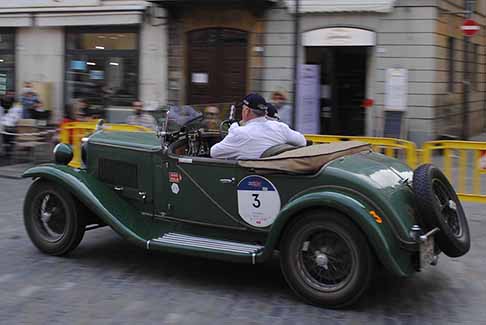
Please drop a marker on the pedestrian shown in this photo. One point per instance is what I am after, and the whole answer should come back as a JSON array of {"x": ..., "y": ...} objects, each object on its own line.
[
  {"x": 284, "y": 110},
  {"x": 141, "y": 118},
  {"x": 39, "y": 112},
  {"x": 28, "y": 98},
  {"x": 7, "y": 100},
  {"x": 8, "y": 122}
]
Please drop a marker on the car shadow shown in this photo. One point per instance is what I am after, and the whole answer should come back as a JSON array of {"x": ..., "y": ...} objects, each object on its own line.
[{"x": 108, "y": 253}]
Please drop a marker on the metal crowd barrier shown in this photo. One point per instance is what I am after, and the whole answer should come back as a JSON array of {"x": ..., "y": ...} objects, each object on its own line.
[
  {"x": 463, "y": 162},
  {"x": 397, "y": 148},
  {"x": 73, "y": 132}
]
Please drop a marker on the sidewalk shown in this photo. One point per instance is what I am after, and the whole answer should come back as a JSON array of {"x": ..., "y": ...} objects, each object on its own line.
[
  {"x": 481, "y": 137},
  {"x": 14, "y": 171}
]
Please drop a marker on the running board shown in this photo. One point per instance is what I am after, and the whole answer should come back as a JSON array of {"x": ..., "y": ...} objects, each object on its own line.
[{"x": 207, "y": 244}]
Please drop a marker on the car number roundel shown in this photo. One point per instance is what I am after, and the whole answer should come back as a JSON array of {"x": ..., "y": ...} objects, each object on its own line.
[{"x": 258, "y": 201}]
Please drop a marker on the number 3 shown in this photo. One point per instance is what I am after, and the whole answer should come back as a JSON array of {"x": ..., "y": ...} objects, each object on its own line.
[{"x": 256, "y": 202}]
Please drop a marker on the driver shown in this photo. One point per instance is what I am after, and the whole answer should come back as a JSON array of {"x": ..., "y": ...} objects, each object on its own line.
[{"x": 257, "y": 133}]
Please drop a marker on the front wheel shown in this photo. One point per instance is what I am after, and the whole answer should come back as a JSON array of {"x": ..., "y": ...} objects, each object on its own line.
[
  {"x": 51, "y": 218},
  {"x": 326, "y": 259}
]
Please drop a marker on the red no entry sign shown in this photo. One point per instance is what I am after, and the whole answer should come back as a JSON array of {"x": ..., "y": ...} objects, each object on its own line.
[{"x": 470, "y": 27}]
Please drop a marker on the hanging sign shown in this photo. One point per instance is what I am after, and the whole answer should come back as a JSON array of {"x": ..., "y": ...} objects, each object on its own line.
[
  {"x": 258, "y": 201},
  {"x": 308, "y": 99}
]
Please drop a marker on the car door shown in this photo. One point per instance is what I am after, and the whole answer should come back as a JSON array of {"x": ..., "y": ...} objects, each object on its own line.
[{"x": 203, "y": 191}]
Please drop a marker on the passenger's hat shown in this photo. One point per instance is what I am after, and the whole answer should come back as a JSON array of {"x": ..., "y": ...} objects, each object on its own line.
[
  {"x": 255, "y": 101},
  {"x": 272, "y": 112}
]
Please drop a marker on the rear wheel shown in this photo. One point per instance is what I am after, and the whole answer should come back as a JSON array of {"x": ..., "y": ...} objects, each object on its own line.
[
  {"x": 440, "y": 207},
  {"x": 51, "y": 218},
  {"x": 326, "y": 259}
]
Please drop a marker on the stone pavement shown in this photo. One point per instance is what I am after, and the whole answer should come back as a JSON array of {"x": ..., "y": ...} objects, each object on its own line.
[
  {"x": 14, "y": 171},
  {"x": 108, "y": 281}
]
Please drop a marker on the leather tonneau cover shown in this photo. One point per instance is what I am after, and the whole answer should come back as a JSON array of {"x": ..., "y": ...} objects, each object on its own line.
[{"x": 307, "y": 159}]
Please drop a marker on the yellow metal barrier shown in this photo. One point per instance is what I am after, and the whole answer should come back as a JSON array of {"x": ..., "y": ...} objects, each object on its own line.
[
  {"x": 461, "y": 161},
  {"x": 396, "y": 148},
  {"x": 72, "y": 133}
]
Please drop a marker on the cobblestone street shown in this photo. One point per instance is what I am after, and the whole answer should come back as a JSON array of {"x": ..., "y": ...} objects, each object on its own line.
[{"x": 108, "y": 281}]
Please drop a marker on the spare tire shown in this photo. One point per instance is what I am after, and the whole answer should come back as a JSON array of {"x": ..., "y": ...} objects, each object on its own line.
[{"x": 439, "y": 206}]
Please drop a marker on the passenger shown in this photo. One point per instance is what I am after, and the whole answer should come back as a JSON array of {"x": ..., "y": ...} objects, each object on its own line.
[
  {"x": 272, "y": 113},
  {"x": 257, "y": 133},
  {"x": 140, "y": 117},
  {"x": 211, "y": 119}
]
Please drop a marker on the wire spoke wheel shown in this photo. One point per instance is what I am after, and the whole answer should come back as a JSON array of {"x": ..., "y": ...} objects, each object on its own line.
[
  {"x": 51, "y": 218},
  {"x": 326, "y": 259},
  {"x": 439, "y": 207}
]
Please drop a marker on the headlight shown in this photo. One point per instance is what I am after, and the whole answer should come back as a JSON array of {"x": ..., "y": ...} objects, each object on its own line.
[
  {"x": 84, "y": 152},
  {"x": 63, "y": 154}
]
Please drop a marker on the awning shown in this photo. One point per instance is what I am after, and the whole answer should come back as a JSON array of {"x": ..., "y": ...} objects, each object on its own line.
[
  {"x": 316, "y": 6},
  {"x": 89, "y": 18},
  {"x": 72, "y": 15},
  {"x": 180, "y": 3},
  {"x": 15, "y": 20}
]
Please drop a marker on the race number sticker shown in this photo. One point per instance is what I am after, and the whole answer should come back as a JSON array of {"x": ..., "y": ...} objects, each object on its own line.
[{"x": 258, "y": 201}]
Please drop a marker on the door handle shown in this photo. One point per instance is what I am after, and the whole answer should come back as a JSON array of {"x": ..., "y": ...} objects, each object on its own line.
[
  {"x": 118, "y": 188},
  {"x": 227, "y": 180},
  {"x": 143, "y": 195}
]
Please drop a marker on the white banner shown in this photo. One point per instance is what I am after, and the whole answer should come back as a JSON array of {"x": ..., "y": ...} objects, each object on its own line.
[
  {"x": 308, "y": 99},
  {"x": 396, "y": 89},
  {"x": 47, "y": 3}
]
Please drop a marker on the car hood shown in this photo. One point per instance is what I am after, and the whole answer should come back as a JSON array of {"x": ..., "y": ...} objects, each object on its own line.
[{"x": 145, "y": 141}]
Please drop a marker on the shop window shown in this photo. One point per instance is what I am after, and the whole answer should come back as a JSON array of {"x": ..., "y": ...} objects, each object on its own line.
[
  {"x": 7, "y": 60},
  {"x": 450, "y": 59},
  {"x": 102, "y": 66}
]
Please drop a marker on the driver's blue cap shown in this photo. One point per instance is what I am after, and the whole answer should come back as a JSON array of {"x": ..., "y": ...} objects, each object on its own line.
[{"x": 255, "y": 101}]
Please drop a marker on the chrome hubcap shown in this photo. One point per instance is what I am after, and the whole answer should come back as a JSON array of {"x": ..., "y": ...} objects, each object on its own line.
[
  {"x": 51, "y": 219},
  {"x": 321, "y": 259}
]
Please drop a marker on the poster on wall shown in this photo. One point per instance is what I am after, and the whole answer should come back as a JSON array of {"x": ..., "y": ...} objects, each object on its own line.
[
  {"x": 308, "y": 99},
  {"x": 396, "y": 89}
]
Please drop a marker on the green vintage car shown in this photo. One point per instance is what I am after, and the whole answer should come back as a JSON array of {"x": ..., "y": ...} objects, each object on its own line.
[{"x": 332, "y": 212}]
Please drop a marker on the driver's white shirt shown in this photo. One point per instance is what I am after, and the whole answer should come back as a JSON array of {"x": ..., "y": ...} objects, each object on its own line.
[{"x": 252, "y": 139}]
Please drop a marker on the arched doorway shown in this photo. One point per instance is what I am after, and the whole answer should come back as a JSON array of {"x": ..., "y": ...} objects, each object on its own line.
[{"x": 217, "y": 65}]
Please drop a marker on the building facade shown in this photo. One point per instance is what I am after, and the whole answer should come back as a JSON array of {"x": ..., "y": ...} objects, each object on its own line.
[
  {"x": 375, "y": 58},
  {"x": 356, "y": 43},
  {"x": 109, "y": 52}
]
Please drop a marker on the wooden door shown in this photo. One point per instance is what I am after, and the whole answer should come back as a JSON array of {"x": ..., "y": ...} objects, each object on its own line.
[{"x": 217, "y": 65}]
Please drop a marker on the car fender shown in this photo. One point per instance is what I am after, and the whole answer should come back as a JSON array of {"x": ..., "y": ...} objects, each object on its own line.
[
  {"x": 96, "y": 196},
  {"x": 382, "y": 241}
]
